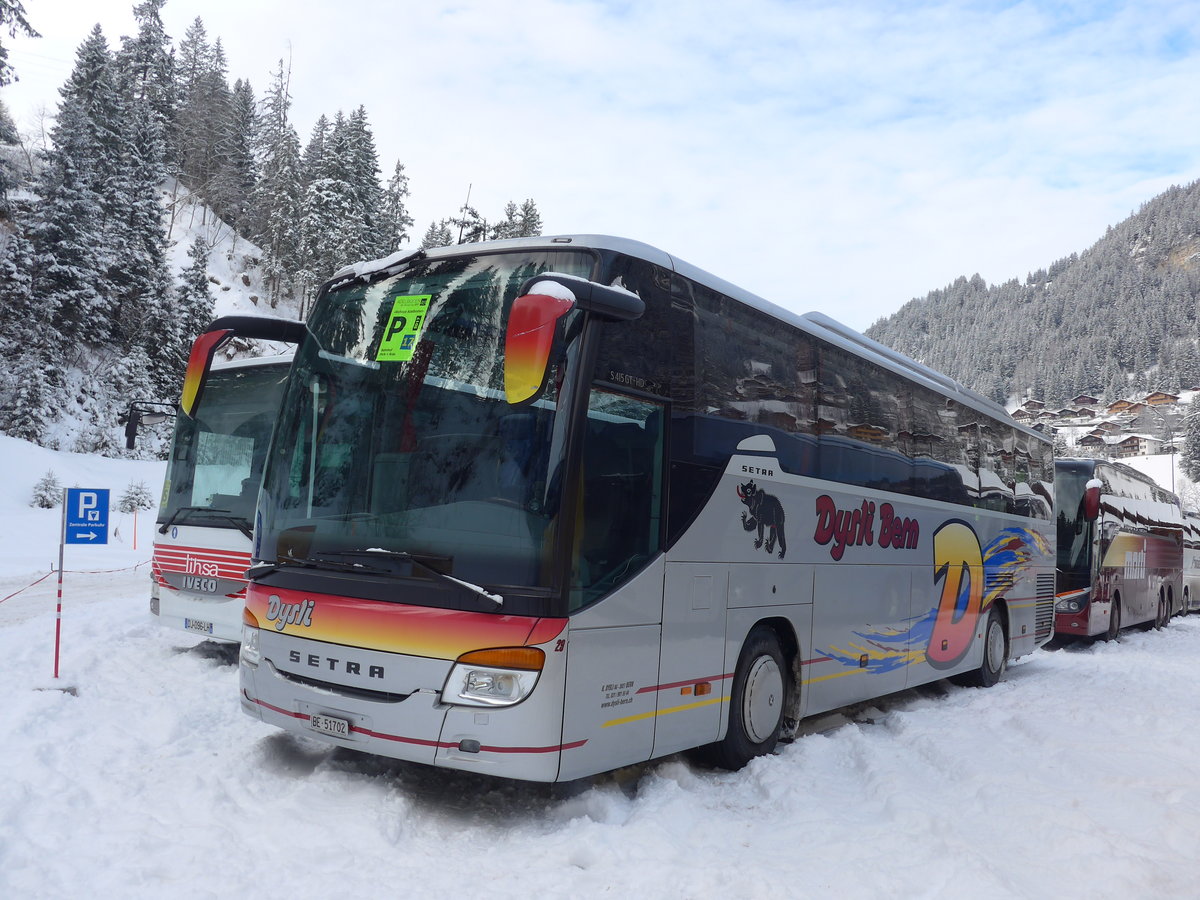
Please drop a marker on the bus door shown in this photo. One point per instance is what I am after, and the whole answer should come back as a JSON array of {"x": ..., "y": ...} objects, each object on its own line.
[{"x": 616, "y": 583}]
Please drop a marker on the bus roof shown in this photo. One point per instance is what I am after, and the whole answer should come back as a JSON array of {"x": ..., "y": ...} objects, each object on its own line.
[{"x": 816, "y": 324}]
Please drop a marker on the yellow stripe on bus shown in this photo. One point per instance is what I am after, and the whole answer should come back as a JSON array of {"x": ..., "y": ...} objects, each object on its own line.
[{"x": 662, "y": 712}]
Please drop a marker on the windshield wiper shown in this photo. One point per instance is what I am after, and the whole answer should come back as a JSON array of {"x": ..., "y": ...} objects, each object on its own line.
[
  {"x": 242, "y": 524},
  {"x": 265, "y": 567},
  {"x": 403, "y": 556},
  {"x": 179, "y": 514}
]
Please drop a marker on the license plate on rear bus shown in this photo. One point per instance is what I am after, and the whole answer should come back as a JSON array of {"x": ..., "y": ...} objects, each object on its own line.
[
  {"x": 198, "y": 625},
  {"x": 329, "y": 725}
]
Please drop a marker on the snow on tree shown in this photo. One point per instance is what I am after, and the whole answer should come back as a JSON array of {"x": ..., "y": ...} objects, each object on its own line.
[
  {"x": 438, "y": 234},
  {"x": 1190, "y": 458},
  {"x": 136, "y": 496},
  {"x": 394, "y": 220},
  {"x": 47, "y": 493},
  {"x": 68, "y": 233},
  {"x": 273, "y": 217},
  {"x": 12, "y": 18},
  {"x": 194, "y": 300}
]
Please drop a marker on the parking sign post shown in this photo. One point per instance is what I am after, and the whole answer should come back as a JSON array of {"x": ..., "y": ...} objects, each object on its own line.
[{"x": 84, "y": 521}]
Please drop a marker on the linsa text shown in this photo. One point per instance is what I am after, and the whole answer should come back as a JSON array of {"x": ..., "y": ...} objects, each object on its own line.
[{"x": 854, "y": 527}]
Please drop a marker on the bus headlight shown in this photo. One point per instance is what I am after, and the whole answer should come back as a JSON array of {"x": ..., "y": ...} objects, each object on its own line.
[
  {"x": 1071, "y": 603},
  {"x": 251, "y": 654},
  {"x": 499, "y": 677}
]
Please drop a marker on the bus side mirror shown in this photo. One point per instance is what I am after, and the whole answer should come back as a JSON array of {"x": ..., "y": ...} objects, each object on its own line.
[
  {"x": 541, "y": 303},
  {"x": 1091, "y": 500},
  {"x": 528, "y": 339},
  {"x": 220, "y": 332}
]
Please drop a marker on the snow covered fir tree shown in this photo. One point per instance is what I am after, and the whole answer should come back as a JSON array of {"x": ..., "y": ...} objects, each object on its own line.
[{"x": 160, "y": 183}]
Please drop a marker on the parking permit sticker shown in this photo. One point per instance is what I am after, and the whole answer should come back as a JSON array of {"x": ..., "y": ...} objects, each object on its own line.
[{"x": 403, "y": 328}]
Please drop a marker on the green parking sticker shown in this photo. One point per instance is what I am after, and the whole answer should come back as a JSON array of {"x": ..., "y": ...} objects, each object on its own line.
[{"x": 403, "y": 328}]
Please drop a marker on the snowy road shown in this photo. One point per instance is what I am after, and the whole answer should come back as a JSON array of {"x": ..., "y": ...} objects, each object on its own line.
[{"x": 1077, "y": 776}]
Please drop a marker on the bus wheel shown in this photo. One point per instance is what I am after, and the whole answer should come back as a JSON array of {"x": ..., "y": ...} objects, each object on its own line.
[
  {"x": 1114, "y": 620},
  {"x": 757, "y": 705},
  {"x": 1163, "y": 614},
  {"x": 995, "y": 655}
]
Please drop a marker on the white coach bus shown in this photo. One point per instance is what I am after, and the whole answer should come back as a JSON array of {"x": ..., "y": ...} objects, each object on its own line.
[
  {"x": 205, "y": 518},
  {"x": 545, "y": 507}
]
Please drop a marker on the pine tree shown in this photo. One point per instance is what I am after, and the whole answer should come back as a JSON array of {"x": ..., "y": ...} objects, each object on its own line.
[
  {"x": 47, "y": 493},
  {"x": 529, "y": 220},
  {"x": 12, "y": 17},
  {"x": 136, "y": 496},
  {"x": 9, "y": 173},
  {"x": 68, "y": 234},
  {"x": 1190, "y": 459},
  {"x": 438, "y": 234},
  {"x": 31, "y": 380},
  {"x": 146, "y": 66},
  {"x": 509, "y": 226},
  {"x": 241, "y": 165},
  {"x": 468, "y": 226},
  {"x": 394, "y": 220},
  {"x": 273, "y": 217},
  {"x": 140, "y": 277},
  {"x": 194, "y": 301}
]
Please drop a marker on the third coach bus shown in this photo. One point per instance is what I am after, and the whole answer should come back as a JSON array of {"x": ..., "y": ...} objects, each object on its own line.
[
  {"x": 1120, "y": 549},
  {"x": 545, "y": 507}
]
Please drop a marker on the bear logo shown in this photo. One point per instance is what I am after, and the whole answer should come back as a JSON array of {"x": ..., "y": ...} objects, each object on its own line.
[{"x": 765, "y": 514}]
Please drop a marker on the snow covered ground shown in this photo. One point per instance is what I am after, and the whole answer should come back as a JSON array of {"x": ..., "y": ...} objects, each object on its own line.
[{"x": 1074, "y": 777}]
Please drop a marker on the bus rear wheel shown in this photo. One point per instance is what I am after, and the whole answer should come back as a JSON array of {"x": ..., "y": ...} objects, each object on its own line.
[
  {"x": 1163, "y": 613},
  {"x": 757, "y": 705},
  {"x": 995, "y": 655}
]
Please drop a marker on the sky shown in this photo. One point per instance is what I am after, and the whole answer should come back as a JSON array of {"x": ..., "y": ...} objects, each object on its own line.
[{"x": 842, "y": 157}]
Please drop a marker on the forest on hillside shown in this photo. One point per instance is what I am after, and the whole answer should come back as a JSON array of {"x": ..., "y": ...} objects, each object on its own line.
[
  {"x": 1116, "y": 320},
  {"x": 91, "y": 311}
]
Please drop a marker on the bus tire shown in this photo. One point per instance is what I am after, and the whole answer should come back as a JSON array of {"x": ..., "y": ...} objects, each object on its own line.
[
  {"x": 1163, "y": 613},
  {"x": 1114, "y": 620},
  {"x": 995, "y": 654},
  {"x": 757, "y": 704}
]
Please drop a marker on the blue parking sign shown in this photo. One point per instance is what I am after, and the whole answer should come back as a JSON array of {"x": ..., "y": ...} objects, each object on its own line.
[{"x": 86, "y": 519}]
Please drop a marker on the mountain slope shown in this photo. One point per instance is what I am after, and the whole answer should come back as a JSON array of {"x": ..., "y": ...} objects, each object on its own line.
[{"x": 1117, "y": 318}]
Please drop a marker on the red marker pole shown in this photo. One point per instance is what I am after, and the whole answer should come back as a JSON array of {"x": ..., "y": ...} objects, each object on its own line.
[{"x": 62, "y": 540}]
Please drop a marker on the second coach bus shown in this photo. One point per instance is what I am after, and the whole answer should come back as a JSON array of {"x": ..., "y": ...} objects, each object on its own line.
[
  {"x": 205, "y": 520},
  {"x": 542, "y": 508},
  {"x": 1120, "y": 549}
]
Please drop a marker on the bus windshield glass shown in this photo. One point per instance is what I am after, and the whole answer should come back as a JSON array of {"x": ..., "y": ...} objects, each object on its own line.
[
  {"x": 217, "y": 457},
  {"x": 1074, "y": 533},
  {"x": 395, "y": 442}
]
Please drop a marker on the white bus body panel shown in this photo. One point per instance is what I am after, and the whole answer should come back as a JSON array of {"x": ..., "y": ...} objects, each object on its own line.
[{"x": 199, "y": 580}]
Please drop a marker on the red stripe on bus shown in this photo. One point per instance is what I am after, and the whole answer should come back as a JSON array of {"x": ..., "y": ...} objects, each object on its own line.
[
  {"x": 675, "y": 684},
  {"x": 819, "y": 659},
  {"x": 441, "y": 745}
]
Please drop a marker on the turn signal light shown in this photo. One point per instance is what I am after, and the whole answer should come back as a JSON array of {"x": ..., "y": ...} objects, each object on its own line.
[{"x": 530, "y": 659}]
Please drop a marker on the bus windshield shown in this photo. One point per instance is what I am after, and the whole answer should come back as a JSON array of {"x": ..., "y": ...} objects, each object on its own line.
[
  {"x": 1074, "y": 533},
  {"x": 395, "y": 442},
  {"x": 217, "y": 457}
]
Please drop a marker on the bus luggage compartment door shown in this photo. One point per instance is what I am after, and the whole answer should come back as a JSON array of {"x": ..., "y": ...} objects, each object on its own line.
[{"x": 692, "y": 682}]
